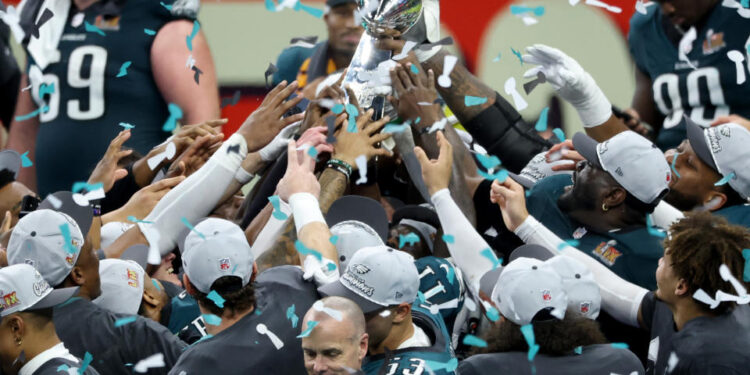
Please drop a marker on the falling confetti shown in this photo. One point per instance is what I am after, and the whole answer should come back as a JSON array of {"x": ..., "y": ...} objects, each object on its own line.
[
  {"x": 124, "y": 69},
  {"x": 725, "y": 179},
  {"x": 304, "y": 250},
  {"x": 541, "y": 123},
  {"x": 126, "y": 125},
  {"x": 175, "y": 113},
  {"x": 123, "y": 321},
  {"x": 149, "y": 32},
  {"x": 409, "y": 238},
  {"x": 310, "y": 325},
  {"x": 518, "y": 54},
  {"x": 93, "y": 29},
  {"x": 528, "y": 333},
  {"x": 292, "y": 316},
  {"x": 474, "y": 100},
  {"x": 489, "y": 254},
  {"x": 216, "y": 298},
  {"x": 472, "y": 340},
  {"x": 153, "y": 361},
  {"x": 68, "y": 239},
  {"x": 448, "y": 238},
  {"x": 275, "y": 201},
  {"x": 674, "y": 160},
  {"x": 192, "y": 229},
  {"x": 212, "y": 319},
  {"x": 488, "y": 161},
  {"x": 32, "y": 114},
  {"x": 559, "y": 134},
  {"x": 25, "y": 161},
  {"x": 189, "y": 38}
]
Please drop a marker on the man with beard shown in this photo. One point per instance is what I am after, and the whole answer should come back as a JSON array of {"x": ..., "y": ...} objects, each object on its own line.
[{"x": 309, "y": 64}]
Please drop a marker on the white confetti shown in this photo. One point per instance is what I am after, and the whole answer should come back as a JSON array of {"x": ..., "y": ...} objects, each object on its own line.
[
  {"x": 56, "y": 203},
  {"x": 604, "y": 5},
  {"x": 528, "y": 20},
  {"x": 154, "y": 361},
  {"x": 518, "y": 100},
  {"x": 686, "y": 45},
  {"x": 361, "y": 162},
  {"x": 408, "y": 46},
  {"x": 435, "y": 309},
  {"x": 169, "y": 153},
  {"x": 190, "y": 62},
  {"x": 335, "y": 314},
  {"x": 672, "y": 361},
  {"x": 385, "y": 313},
  {"x": 448, "y": 64},
  {"x": 738, "y": 58},
  {"x": 263, "y": 330},
  {"x": 640, "y": 7}
]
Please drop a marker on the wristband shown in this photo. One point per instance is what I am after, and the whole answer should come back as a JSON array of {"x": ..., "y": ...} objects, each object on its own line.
[
  {"x": 342, "y": 164},
  {"x": 340, "y": 169},
  {"x": 242, "y": 176},
  {"x": 305, "y": 209}
]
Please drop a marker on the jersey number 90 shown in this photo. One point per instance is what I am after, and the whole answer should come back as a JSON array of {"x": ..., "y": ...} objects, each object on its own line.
[
  {"x": 696, "y": 106},
  {"x": 93, "y": 81}
]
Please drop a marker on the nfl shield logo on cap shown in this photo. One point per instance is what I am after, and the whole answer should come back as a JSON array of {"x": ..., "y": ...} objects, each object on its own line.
[
  {"x": 585, "y": 306},
  {"x": 224, "y": 264},
  {"x": 546, "y": 295}
]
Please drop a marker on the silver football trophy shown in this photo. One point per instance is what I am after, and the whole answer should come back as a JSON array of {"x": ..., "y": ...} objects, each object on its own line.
[{"x": 368, "y": 73}]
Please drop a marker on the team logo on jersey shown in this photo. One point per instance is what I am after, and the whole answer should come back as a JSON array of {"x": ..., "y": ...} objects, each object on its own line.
[
  {"x": 585, "y": 307},
  {"x": 224, "y": 264},
  {"x": 579, "y": 233},
  {"x": 607, "y": 253},
  {"x": 132, "y": 278},
  {"x": 9, "y": 300},
  {"x": 546, "y": 295},
  {"x": 713, "y": 42},
  {"x": 109, "y": 23}
]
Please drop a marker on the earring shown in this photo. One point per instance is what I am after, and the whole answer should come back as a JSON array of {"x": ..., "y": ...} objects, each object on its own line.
[{"x": 604, "y": 207}]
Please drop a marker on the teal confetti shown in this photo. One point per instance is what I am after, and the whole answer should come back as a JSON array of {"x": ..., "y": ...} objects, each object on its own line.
[
  {"x": 292, "y": 316},
  {"x": 304, "y": 250},
  {"x": 133, "y": 219},
  {"x": 414, "y": 69},
  {"x": 149, "y": 32},
  {"x": 331, "y": 266},
  {"x": 409, "y": 238},
  {"x": 417, "y": 120},
  {"x": 472, "y": 340},
  {"x": 93, "y": 29},
  {"x": 528, "y": 334},
  {"x": 652, "y": 230},
  {"x": 352, "y": 111},
  {"x": 541, "y": 123},
  {"x": 334, "y": 239},
  {"x": 500, "y": 175},
  {"x": 68, "y": 302},
  {"x": 474, "y": 100},
  {"x": 124, "y": 69},
  {"x": 216, "y": 298},
  {"x": 421, "y": 297},
  {"x": 62, "y": 368},
  {"x": 192, "y": 229},
  {"x": 516, "y": 9},
  {"x": 619, "y": 345},
  {"x": 488, "y": 161},
  {"x": 258, "y": 312},
  {"x": 123, "y": 321},
  {"x": 25, "y": 161},
  {"x": 168, "y": 7},
  {"x": 337, "y": 109},
  {"x": 746, "y": 272},
  {"x": 450, "y": 274},
  {"x": 189, "y": 38},
  {"x": 270, "y": 6},
  {"x": 448, "y": 238},
  {"x": 87, "y": 358},
  {"x": 578, "y": 350},
  {"x": 126, "y": 125},
  {"x": 310, "y": 325},
  {"x": 674, "y": 160},
  {"x": 78, "y": 186},
  {"x": 276, "y": 203},
  {"x": 571, "y": 243},
  {"x": 746, "y": 4},
  {"x": 156, "y": 285},
  {"x": 33, "y": 113},
  {"x": 393, "y": 128},
  {"x": 68, "y": 244},
  {"x": 492, "y": 314},
  {"x": 312, "y": 152},
  {"x": 449, "y": 366},
  {"x": 212, "y": 319},
  {"x": 45, "y": 89},
  {"x": 559, "y": 134},
  {"x": 234, "y": 269},
  {"x": 496, "y": 59},
  {"x": 315, "y": 12},
  {"x": 725, "y": 180},
  {"x": 175, "y": 113},
  {"x": 489, "y": 254},
  {"x": 518, "y": 54}
]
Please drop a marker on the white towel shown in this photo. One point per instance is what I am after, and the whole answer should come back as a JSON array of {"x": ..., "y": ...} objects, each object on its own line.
[{"x": 44, "y": 49}]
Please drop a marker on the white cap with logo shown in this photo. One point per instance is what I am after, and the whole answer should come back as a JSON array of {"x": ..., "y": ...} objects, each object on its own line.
[
  {"x": 632, "y": 160},
  {"x": 22, "y": 288},
  {"x": 377, "y": 277},
  {"x": 525, "y": 288},
  {"x": 38, "y": 240},
  {"x": 122, "y": 286},
  {"x": 216, "y": 248}
]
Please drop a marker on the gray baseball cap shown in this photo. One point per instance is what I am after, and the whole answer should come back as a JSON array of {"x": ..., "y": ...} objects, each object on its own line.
[
  {"x": 526, "y": 288},
  {"x": 377, "y": 277},
  {"x": 222, "y": 251},
  {"x": 38, "y": 240},
  {"x": 10, "y": 160},
  {"x": 62, "y": 201},
  {"x": 725, "y": 149},
  {"x": 353, "y": 235},
  {"x": 362, "y": 209},
  {"x": 632, "y": 160},
  {"x": 22, "y": 288},
  {"x": 122, "y": 286}
]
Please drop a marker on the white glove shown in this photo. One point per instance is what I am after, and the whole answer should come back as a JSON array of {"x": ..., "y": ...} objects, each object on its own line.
[
  {"x": 274, "y": 149},
  {"x": 571, "y": 82},
  {"x": 427, "y": 29}
]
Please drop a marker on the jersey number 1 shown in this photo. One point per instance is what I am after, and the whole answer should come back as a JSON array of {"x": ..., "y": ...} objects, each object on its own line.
[{"x": 93, "y": 81}]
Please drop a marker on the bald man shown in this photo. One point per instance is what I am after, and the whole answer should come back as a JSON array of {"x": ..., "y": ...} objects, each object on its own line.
[{"x": 333, "y": 346}]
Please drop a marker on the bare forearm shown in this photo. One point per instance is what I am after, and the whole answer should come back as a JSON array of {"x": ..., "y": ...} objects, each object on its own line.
[
  {"x": 22, "y": 135},
  {"x": 462, "y": 83},
  {"x": 283, "y": 251},
  {"x": 259, "y": 221},
  {"x": 332, "y": 187}
]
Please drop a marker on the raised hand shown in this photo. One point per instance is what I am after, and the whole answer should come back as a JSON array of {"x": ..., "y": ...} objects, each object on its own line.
[
  {"x": 315, "y": 111},
  {"x": 436, "y": 173},
  {"x": 416, "y": 94},
  {"x": 363, "y": 141},
  {"x": 144, "y": 200},
  {"x": 195, "y": 156},
  {"x": 266, "y": 122},
  {"x": 299, "y": 177},
  {"x": 107, "y": 170},
  {"x": 190, "y": 133},
  {"x": 563, "y": 151},
  {"x": 511, "y": 198},
  {"x": 572, "y": 83}
]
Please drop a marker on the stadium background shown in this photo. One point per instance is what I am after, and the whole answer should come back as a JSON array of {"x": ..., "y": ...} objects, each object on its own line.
[{"x": 244, "y": 37}]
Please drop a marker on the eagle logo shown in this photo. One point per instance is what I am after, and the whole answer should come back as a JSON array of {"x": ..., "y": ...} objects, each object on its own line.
[{"x": 360, "y": 269}]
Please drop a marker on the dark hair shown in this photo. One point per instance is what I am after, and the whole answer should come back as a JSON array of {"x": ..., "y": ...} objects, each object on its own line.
[
  {"x": 554, "y": 337},
  {"x": 40, "y": 317},
  {"x": 6, "y": 177},
  {"x": 733, "y": 197},
  {"x": 698, "y": 245},
  {"x": 237, "y": 299}
]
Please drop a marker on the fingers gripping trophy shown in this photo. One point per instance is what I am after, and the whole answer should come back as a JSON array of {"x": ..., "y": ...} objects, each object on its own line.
[{"x": 367, "y": 75}]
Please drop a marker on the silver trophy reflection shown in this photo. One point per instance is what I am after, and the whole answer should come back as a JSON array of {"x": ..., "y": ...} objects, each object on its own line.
[{"x": 367, "y": 74}]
